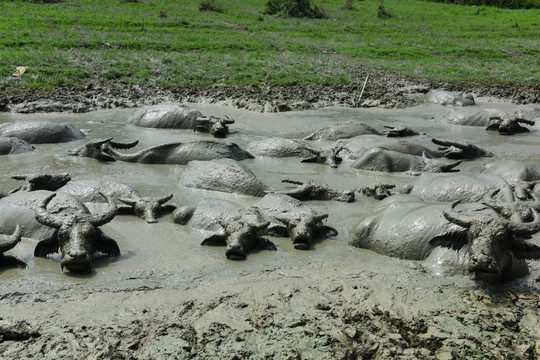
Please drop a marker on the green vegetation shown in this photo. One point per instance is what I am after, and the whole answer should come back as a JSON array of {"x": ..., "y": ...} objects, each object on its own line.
[
  {"x": 76, "y": 42},
  {"x": 509, "y": 4},
  {"x": 294, "y": 8}
]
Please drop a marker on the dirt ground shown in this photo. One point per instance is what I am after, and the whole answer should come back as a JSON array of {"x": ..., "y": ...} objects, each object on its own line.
[{"x": 330, "y": 309}]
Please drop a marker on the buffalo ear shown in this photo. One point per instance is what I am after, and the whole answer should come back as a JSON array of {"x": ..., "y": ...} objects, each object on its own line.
[
  {"x": 328, "y": 231},
  {"x": 106, "y": 245},
  {"x": 47, "y": 246},
  {"x": 453, "y": 240},
  {"x": 525, "y": 251},
  {"x": 215, "y": 240},
  {"x": 267, "y": 244}
]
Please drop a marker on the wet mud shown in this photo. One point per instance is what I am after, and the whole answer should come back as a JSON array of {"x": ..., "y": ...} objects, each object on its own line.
[{"x": 168, "y": 297}]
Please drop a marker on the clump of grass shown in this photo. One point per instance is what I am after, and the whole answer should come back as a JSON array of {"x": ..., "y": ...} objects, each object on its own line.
[
  {"x": 294, "y": 8},
  {"x": 382, "y": 13},
  {"x": 210, "y": 5},
  {"x": 349, "y": 5},
  {"x": 131, "y": 1}
]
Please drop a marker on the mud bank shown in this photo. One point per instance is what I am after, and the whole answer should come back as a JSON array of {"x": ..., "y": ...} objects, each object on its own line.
[
  {"x": 383, "y": 89},
  {"x": 168, "y": 297}
]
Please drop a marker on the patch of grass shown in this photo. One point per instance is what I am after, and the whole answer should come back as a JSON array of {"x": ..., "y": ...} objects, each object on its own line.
[
  {"x": 72, "y": 43},
  {"x": 210, "y": 5},
  {"x": 295, "y": 9}
]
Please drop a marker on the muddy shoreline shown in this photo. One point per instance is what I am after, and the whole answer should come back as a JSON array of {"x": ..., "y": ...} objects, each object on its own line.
[{"x": 383, "y": 90}]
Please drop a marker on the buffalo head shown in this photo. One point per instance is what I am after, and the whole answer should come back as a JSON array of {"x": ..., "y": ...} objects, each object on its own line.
[
  {"x": 493, "y": 243},
  {"x": 100, "y": 149},
  {"x": 327, "y": 156},
  {"x": 78, "y": 236},
  {"x": 509, "y": 126},
  {"x": 213, "y": 125},
  {"x": 304, "y": 228},
  {"x": 148, "y": 208},
  {"x": 240, "y": 237},
  {"x": 438, "y": 166},
  {"x": 41, "y": 182}
]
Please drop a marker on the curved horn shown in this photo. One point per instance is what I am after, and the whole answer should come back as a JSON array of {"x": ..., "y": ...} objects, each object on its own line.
[
  {"x": 130, "y": 202},
  {"x": 313, "y": 151},
  {"x": 320, "y": 217},
  {"x": 227, "y": 120},
  {"x": 455, "y": 217},
  {"x": 489, "y": 201},
  {"x": 118, "y": 145},
  {"x": 98, "y": 220},
  {"x": 164, "y": 199},
  {"x": 425, "y": 159},
  {"x": 19, "y": 177},
  {"x": 525, "y": 121},
  {"x": 98, "y": 143},
  {"x": 44, "y": 217},
  {"x": 525, "y": 229},
  {"x": 203, "y": 120},
  {"x": 11, "y": 240}
]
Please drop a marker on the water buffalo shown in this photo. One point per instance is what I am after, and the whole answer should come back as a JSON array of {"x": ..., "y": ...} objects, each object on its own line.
[
  {"x": 451, "y": 187},
  {"x": 279, "y": 147},
  {"x": 342, "y": 131},
  {"x": 355, "y": 148},
  {"x": 290, "y": 217},
  {"x": 148, "y": 208},
  {"x": 521, "y": 211},
  {"x": 41, "y": 132},
  {"x": 311, "y": 190},
  {"x": 399, "y": 131},
  {"x": 326, "y": 156},
  {"x": 223, "y": 175},
  {"x": 180, "y": 117},
  {"x": 73, "y": 229},
  {"x": 100, "y": 149},
  {"x": 408, "y": 228},
  {"x": 496, "y": 246},
  {"x": 380, "y": 159},
  {"x": 12, "y": 145},
  {"x": 509, "y": 126},
  {"x": 35, "y": 182},
  {"x": 7, "y": 243},
  {"x": 181, "y": 153},
  {"x": 470, "y": 117},
  {"x": 378, "y": 191},
  {"x": 240, "y": 230},
  {"x": 443, "y": 97}
]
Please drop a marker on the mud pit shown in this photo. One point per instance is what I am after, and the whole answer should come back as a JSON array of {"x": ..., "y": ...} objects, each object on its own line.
[{"x": 168, "y": 297}]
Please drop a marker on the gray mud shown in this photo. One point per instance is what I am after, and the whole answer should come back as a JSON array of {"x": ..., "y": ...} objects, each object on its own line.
[{"x": 167, "y": 297}]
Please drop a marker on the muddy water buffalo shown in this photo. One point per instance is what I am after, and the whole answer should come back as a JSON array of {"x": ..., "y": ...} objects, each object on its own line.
[
  {"x": 521, "y": 211},
  {"x": 100, "y": 149},
  {"x": 180, "y": 117},
  {"x": 470, "y": 117},
  {"x": 11, "y": 146},
  {"x": 290, "y": 217},
  {"x": 75, "y": 231},
  {"x": 41, "y": 132},
  {"x": 147, "y": 208},
  {"x": 279, "y": 147},
  {"x": 408, "y": 228},
  {"x": 380, "y": 159},
  {"x": 240, "y": 230},
  {"x": 496, "y": 247},
  {"x": 355, "y": 148},
  {"x": 465, "y": 187},
  {"x": 33, "y": 182},
  {"x": 7, "y": 243},
  {"x": 444, "y": 97},
  {"x": 311, "y": 190},
  {"x": 343, "y": 131},
  {"x": 223, "y": 175},
  {"x": 509, "y": 126},
  {"x": 181, "y": 153},
  {"x": 326, "y": 156}
]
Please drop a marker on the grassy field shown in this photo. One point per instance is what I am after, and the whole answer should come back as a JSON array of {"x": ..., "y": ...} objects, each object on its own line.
[{"x": 172, "y": 43}]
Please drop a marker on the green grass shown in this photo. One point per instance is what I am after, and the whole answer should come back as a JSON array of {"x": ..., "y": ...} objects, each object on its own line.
[{"x": 72, "y": 43}]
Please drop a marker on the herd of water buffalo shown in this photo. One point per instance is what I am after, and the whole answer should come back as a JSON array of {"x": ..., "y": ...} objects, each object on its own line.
[{"x": 492, "y": 216}]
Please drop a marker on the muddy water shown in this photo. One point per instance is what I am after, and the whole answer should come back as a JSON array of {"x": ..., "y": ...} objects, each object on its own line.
[{"x": 167, "y": 255}]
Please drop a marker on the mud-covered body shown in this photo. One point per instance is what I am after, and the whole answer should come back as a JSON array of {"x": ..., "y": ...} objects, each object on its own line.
[{"x": 41, "y": 132}]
